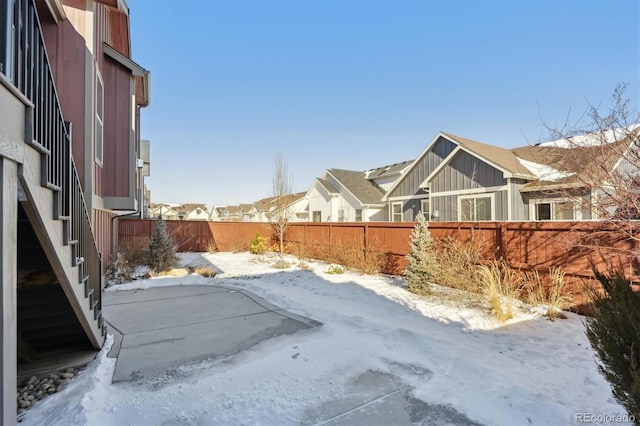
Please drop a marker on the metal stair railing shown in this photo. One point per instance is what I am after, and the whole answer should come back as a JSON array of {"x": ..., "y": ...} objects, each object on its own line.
[{"x": 25, "y": 63}]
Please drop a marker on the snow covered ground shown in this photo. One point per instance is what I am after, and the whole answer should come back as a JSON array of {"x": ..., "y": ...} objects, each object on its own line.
[{"x": 527, "y": 371}]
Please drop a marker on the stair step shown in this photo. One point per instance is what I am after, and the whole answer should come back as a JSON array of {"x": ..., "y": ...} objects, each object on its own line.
[
  {"x": 47, "y": 322},
  {"x": 51, "y": 342},
  {"x": 46, "y": 333}
]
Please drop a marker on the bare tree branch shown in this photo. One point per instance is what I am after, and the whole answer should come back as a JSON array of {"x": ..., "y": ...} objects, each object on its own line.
[{"x": 280, "y": 211}]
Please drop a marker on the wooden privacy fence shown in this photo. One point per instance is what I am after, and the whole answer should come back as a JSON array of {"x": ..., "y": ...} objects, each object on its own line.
[{"x": 523, "y": 245}]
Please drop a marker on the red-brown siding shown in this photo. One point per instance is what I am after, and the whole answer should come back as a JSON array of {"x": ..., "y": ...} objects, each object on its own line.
[
  {"x": 117, "y": 171},
  {"x": 102, "y": 232},
  {"x": 66, "y": 51}
]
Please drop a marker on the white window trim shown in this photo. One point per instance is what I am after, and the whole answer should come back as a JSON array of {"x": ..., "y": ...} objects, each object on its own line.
[
  {"x": 391, "y": 214},
  {"x": 475, "y": 196},
  {"x": 99, "y": 156},
  {"x": 577, "y": 212},
  {"x": 427, "y": 214}
]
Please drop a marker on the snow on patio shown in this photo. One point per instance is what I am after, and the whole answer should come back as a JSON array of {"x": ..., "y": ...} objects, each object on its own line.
[{"x": 527, "y": 371}]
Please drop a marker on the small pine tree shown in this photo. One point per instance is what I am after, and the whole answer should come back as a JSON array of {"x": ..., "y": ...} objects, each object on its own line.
[
  {"x": 162, "y": 250},
  {"x": 258, "y": 244},
  {"x": 421, "y": 260},
  {"x": 614, "y": 333}
]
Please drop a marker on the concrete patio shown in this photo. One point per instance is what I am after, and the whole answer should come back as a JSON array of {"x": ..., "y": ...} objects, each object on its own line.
[{"x": 159, "y": 329}]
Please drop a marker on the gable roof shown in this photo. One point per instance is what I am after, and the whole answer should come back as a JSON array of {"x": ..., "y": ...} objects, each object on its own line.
[
  {"x": 503, "y": 158},
  {"x": 500, "y": 158},
  {"x": 365, "y": 191}
]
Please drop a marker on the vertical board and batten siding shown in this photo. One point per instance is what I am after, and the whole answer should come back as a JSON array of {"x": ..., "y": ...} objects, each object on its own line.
[
  {"x": 426, "y": 164},
  {"x": 410, "y": 209},
  {"x": 118, "y": 169},
  {"x": 465, "y": 171},
  {"x": 386, "y": 182},
  {"x": 519, "y": 208},
  {"x": 102, "y": 232},
  {"x": 318, "y": 201},
  {"x": 376, "y": 215}
]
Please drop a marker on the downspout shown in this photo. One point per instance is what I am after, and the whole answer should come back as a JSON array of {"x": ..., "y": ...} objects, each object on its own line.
[{"x": 138, "y": 212}]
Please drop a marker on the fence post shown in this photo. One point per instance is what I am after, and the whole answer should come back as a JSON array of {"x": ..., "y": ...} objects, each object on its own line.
[
  {"x": 501, "y": 232},
  {"x": 366, "y": 240}
]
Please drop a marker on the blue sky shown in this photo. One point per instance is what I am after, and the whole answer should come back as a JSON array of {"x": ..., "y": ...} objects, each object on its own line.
[{"x": 357, "y": 84}]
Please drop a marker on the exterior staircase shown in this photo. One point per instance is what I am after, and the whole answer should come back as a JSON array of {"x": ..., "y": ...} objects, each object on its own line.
[{"x": 49, "y": 188}]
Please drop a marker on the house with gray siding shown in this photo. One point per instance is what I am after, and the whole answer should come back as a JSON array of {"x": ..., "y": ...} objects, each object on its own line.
[{"x": 459, "y": 179}]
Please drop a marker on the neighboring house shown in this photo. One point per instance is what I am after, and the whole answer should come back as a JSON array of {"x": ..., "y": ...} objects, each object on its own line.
[
  {"x": 294, "y": 206},
  {"x": 243, "y": 212},
  {"x": 164, "y": 210},
  {"x": 232, "y": 214},
  {"x": 573, "y": 174},
  {"x": 70, "y": 99},
  {"x": 353, "y": 196},
  {"x": 260, "y": 209},
  {"x": 218, "y": 213},
  {"x": 459, "y": 179},
  {"x": 192, "y": 212}
]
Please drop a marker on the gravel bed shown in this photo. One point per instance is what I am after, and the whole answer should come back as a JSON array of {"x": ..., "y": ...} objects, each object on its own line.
[{"x": 37, "y": 388}]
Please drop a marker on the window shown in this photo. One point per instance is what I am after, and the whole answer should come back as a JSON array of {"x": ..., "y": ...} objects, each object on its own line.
[
  {"x": 340, "y": 215},
  {"x": 554, "y": 210},
  {"x": 425, "y": 208},
  {"x": 475, "y": 208},
  {"x": 358, "y": 215},
  {"x": 396, "y": 212},
  {"x": 317, "y": 216},
  {"x": 99, "y": 118}
]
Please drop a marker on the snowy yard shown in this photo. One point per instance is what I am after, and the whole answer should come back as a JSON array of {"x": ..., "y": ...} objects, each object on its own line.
[{"x": 527, "y": 371}]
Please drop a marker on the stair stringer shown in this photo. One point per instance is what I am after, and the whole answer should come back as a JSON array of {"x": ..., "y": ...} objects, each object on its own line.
[{"x": 39, "y": 208}]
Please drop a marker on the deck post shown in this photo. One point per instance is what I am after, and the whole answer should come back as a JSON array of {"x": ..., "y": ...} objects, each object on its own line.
[{"x": 8, "y": 279}]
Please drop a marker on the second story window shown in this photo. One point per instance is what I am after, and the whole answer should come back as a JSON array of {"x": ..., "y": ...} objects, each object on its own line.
[
  {"x": 99, "y": 119},
  {"x": 358, "y": 215}
]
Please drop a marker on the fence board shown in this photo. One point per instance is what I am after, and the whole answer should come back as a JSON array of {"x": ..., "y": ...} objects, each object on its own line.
[{"x": 575, "y": 246}]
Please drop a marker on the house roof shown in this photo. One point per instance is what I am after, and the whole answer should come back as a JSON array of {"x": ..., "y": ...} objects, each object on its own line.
[
  {"x": 385, "y": 171},
  {"x": 330, "y": 188},
  {"x": 364, "y": 190},
  {"x": 187, "y": 208},
  {"x": 279, "y": 203},
  {"x": 232, "y": 210},
  {"x": 501, "y": 157},
  {"x": 245, "y": 207},
  {"x": 263, "y": 205},
  {"x": 576, "y": 164}
]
